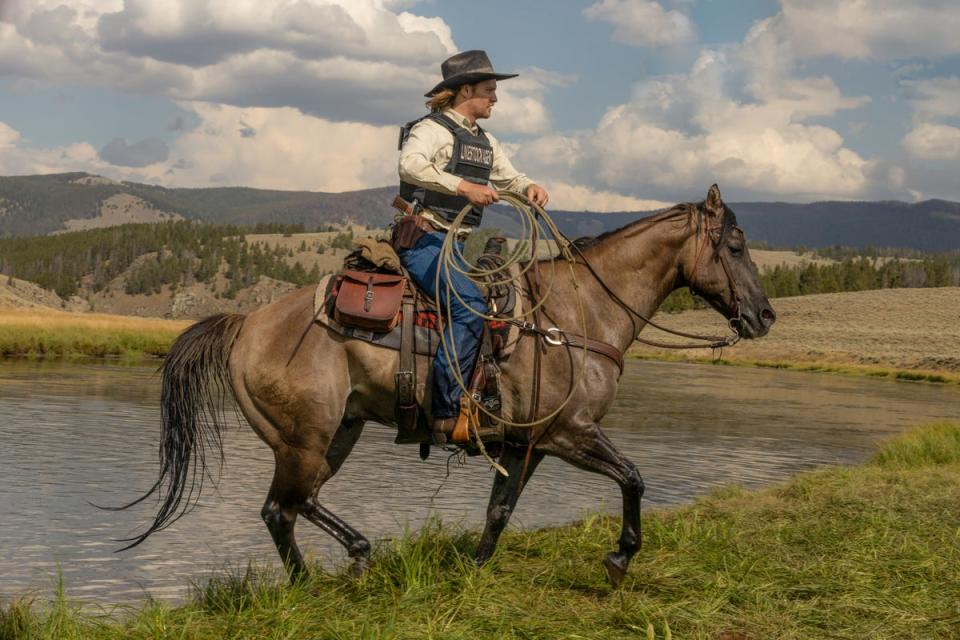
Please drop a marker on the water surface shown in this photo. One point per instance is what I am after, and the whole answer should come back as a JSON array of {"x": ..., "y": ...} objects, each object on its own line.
[{"x": 75, "y": 434}]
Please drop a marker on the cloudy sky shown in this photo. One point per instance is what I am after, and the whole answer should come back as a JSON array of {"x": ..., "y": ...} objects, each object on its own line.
[{"x": 620, "y": 103}]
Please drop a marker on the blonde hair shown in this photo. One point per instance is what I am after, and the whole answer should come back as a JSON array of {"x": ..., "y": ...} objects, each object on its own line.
[{"x": 442, "y": 99}]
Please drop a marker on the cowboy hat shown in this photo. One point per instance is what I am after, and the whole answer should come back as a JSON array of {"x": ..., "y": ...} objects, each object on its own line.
[{"x": 467, "y": 67}]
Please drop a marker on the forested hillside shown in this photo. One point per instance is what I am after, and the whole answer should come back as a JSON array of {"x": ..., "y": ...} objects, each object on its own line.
[
  {"x": 150, "y": 256},
  {"x": 140, "y": 260},
  {"x": 32, "y": 205}
]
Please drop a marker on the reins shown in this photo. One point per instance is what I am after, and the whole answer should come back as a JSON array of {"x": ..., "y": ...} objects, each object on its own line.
[
  {"x": 713, "y": 342},
  {"x": 532, "y": 215}
]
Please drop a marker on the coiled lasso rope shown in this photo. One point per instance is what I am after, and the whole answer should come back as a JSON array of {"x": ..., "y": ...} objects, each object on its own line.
[{"x": 451, "y": 259}]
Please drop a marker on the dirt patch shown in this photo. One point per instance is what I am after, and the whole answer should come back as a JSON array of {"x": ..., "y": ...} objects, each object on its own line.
[
  {"x": 766, "y": 260},
  {"x": 896, "y": 328},
  {"x": 93, "y": 180},
  {"x": 21, "y": 294},
  {"x": 118, "y": 209}
]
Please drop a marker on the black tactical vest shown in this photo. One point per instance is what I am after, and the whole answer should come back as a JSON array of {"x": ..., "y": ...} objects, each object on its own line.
[{"x": 472, "y": 160}]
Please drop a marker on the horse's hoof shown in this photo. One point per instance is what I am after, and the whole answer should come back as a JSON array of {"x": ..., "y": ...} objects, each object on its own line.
[
  {"x": 359, "y": 567},
  {"x": 616, "y": 567}
]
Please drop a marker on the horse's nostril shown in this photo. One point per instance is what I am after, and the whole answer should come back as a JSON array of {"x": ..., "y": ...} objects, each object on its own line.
[{"x": 767, "y": 315}]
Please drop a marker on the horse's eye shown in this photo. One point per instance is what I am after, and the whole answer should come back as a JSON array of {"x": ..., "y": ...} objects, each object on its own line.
[{"x": 736, "y": 251}]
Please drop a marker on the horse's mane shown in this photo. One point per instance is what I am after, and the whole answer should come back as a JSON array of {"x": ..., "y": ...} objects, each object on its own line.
[{"x": 684, "y": 208}]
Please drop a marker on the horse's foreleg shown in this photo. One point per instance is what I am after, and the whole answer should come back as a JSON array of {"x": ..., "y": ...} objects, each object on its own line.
[
  {"x": 590, "y": 449},
  {"x": 504, "y": 496},
  {"x": 357, "y": 546}
]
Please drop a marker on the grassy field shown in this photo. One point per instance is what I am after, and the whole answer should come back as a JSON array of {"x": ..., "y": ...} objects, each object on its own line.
[
  {"x": 41, "y": 332},
  {"x": 909, "y": 334},
  {"x": 899, "y": 333},
  {"x": 871, "y": 551}
]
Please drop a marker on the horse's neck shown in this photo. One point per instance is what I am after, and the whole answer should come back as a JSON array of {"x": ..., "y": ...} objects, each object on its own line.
[{"x": 642, "y": 267}]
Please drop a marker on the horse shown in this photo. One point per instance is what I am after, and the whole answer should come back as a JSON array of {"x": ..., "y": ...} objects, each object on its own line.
[{"x": 307, "y": 391}]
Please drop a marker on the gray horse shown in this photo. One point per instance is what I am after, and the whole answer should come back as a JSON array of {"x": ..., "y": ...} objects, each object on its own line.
[{"x": 307, "y": 391}]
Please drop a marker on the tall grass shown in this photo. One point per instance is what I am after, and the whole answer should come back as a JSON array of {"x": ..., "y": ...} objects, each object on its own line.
[
  {"x": 852, "y": 552},
  {"x": 30, "y": 333}
]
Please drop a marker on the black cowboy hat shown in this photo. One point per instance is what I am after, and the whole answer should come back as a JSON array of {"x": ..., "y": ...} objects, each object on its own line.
[{"x": 466, "y": 68}]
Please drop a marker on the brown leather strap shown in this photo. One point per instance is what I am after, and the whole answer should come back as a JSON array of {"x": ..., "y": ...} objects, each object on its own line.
[
  {"x": 603, "y": 348},
  {"x": 534, "y": 289},
  {"x": 557, "y": 338},
  {"x": 407, "y": 334},
  {"x": 406, "y": 378}
]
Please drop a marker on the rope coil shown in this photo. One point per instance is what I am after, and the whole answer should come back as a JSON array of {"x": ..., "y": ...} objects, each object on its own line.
[
  {"x": 451, "y": 259},
  {"x": 532, "y": 216}
]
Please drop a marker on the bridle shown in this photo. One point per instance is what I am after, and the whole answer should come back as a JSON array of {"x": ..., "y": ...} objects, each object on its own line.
[{"x": 713, "y": 235}]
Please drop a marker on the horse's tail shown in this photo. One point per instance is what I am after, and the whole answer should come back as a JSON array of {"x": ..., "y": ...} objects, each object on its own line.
[{"x": 195, "y": 382}]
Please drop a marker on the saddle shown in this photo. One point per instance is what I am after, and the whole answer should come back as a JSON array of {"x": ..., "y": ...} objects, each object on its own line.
[{"x": 371, "y": 299}]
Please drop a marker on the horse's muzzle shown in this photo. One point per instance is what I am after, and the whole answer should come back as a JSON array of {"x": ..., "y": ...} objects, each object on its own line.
[{"x": 755, "y": 324}]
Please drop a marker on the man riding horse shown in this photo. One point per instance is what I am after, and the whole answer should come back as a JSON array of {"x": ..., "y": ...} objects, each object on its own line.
[{"x": 447, "y": 162}]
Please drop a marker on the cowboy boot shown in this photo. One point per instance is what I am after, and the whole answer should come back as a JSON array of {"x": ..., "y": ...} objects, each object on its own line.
[
  {"x": 456, "y": 429},
  {"x": 442, "y": 427}
]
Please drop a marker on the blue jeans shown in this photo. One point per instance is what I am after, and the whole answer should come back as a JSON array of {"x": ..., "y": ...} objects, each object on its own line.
[{"x": 463, "y": 328}]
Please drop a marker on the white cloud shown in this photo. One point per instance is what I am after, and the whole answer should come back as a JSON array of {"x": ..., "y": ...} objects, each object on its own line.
[
  {"x": 873, "y": 29},
  {"x": 520, "y": 107},
  {"x": 277, "y": 148},
  {"x": 932, "y": 146},
  {"x": 289, "y": 151},
  {"x": 643, "y": 23},
  {"x": 933, "y": 142},
  {"x": 934, "y": 97},
  {"x": 360, "y": 60},
  {"x": 18, "y": 160},
  {"x": 8, "y": 136},
  {"x": 570, "y": 197},
  {"x": 740, "y": 117},
  {"x": 350, "y": 61}
]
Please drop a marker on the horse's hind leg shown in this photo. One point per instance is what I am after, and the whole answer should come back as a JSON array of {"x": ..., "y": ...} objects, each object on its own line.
[
  {"x": 590, "y": 449},
  {"x": 357, "y": 546},
  {"x": 298, "y": 477},
  {"x": 504, "y": 495},
  {"x": 295, "y": 474}
]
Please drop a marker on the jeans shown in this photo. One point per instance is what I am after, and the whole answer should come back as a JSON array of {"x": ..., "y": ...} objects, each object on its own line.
[{"x": 463, "y": 328}]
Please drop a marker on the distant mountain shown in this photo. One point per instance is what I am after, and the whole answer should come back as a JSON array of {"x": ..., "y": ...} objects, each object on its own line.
[
  {"x": 932, "y": 225},
  {"x": 35, "y": 205},
  {"x": 51, "y": 203}
]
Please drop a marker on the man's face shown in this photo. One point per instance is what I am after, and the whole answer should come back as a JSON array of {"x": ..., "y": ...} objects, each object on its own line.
[{"x": 478, "y": 99}]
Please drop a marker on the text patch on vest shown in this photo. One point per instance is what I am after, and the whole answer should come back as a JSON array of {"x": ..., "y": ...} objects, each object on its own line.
[{"x": 476, "y": 154}]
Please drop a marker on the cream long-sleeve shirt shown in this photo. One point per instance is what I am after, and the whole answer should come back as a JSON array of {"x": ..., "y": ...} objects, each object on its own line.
[{"x": 425, "y": 154}]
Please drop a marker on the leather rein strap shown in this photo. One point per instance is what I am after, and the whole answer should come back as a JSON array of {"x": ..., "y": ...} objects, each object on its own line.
[
  {"x": 557, "y": 337},
  {"x": 711, "y": 235}
]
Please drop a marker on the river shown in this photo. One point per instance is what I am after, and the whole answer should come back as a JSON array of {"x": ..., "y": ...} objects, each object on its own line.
[{"x": 74, "y": 434}]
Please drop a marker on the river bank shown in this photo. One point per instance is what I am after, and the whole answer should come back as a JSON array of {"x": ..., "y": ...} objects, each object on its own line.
[
  {"x": 903, "y": 334},
  {"x": 867, "y": 551}
]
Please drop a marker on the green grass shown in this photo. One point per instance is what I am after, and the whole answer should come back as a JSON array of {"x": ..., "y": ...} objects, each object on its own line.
[
  {"x": 50, "y": 334},
  {"x": 32, "y": 343},
  {"x": 871, "y": 551}
]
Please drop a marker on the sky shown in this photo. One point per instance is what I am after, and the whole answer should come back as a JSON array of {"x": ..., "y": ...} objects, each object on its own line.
[{"x": 620, "y": 104}]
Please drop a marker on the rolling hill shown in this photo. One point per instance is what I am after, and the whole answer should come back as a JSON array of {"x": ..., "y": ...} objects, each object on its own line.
[{"x": 45, "y": 204}]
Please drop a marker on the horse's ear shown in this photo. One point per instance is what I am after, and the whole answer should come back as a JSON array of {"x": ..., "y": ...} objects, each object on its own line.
[{"x": 714, "y": 203}]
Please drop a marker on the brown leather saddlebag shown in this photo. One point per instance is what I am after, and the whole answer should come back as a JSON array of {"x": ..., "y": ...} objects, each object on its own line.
[{"x": 369, "y": 300}]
